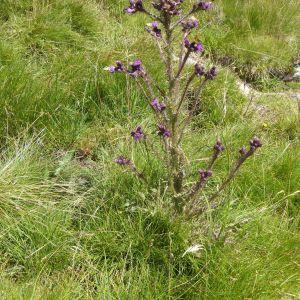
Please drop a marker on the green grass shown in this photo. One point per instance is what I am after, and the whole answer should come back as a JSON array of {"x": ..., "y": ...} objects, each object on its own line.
[
  {"x": 72, "y": 229},
  {"x": 258, "y": 39}
]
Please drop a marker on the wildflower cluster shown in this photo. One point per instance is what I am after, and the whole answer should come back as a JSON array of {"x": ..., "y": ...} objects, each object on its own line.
[
  {"x": 135, "y": 6},
  {"x": 138, "y": 134},
  {"x": 189, "y": 24},
  {"x": 171, "y": 7},
  {"x": 136, "y": 69},
  {"x": 171, "y": 110},
  {"x": 202, "y": 5},
  {"x": 123, "y": 161},
  {"x": 154, "y": 30},
  {"x": 159, "y": 107}
]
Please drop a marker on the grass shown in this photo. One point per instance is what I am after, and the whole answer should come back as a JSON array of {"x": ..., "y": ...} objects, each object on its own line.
[
  {"x": 258, "y": 39},
  {"x": 83, "y": 229}
]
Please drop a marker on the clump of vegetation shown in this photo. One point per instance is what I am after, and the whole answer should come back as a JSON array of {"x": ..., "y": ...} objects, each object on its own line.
[{"x": 170, "y": 108}]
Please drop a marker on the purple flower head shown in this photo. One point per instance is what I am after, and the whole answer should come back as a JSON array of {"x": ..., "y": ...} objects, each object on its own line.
[
  {"x": 135, "y": 6},
  {"x": 171, "y": 7},
  {"x": 218, "y": 147},
  {"x": 199, "y": 70},
  {"x": 211, "y": 74},
  {"x": 123, "y": 161},
  {"x": 158, "y": 106},
  {"x": 138, "y": 134},
  {"x": 119, "y": 67},
  {"x": 136, "y": 69},
  {"x": 243, "y": 151},
  {"x": 154, "y": 30},
  {"x": 189, "y": 24},
  {"x": 202, "y": 5},
  {"x": 163, "y": 131},
  {"x": 255, "y": 143},
  {"x": 136, "y": 65},
  {"x": 204, "y": 174},
  {"x": 193, "y": 47},
  {"x": 187, "y": 43}
]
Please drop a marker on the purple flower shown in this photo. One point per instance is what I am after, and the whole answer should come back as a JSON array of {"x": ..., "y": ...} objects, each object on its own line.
[
  {"x": 204, "y": 174},
  {"x": 119, "y": 67},
  {"x": 243, "y": 151},
  {"x": 154, "y": 30},
  {"x": 255, "y": 143},
  {"x": 136, "y": 65},
  {"x": 189, "y": 24},
  {"x": 211, "y": 74},
  {"x": 218, "y": 147},
  {"x": 136, "y": 69},
  {"x": 193, "y": 47},
  {"x": 171, "y": 7},
  {"x": 135, "y": 6},
  {"x": 199, "y": 70},
  {"x": 123, "y": 161},
  {"x": 163, "y": 131},
  {"x": 202, "y": 5},
  {"x": 138, "y": 134},
  {"x": 158, "y": 106}
]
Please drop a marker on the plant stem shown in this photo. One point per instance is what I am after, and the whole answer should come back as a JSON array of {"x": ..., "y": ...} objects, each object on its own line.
[
  {"x": 182, "y": 64},
  {"x": 192, "y": 111},
  {"x": 182, "y": 98},
  {"x": 230, "y": 176},
  {"x": 152, "y": 16},
  {"x": 182, "y": 19}
]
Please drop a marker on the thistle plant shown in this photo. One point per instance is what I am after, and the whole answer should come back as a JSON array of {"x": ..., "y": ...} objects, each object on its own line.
[{"x": 170, "y": 105}]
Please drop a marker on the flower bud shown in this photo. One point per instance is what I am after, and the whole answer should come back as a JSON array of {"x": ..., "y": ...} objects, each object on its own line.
[
  {"x": 211, "y": 74},
  {"x": 158, "y": 106},
  {"x": 119, "y": 67},
  {"x": 193, "y": 47},
  {"x": 154, "y": 30},
  {"x": 138, "y": 134},
  {"x": 218, "y": 147},
  {"x": 163, "y": 131},
  {"x": 170, "y": 7},
  {"x": 205, "y": 174},
  {"x": 136, "y": 69},
  {"x": 255, "y": 143},
  {"x": 203, "y": 5},
  {"x": 189, "y": 24},
  {"x": 199, "y": 70},
  {"x": 123, "y": 161},
  {"x": 243, "y": 151},
  {"x": 135, "y": 6}
]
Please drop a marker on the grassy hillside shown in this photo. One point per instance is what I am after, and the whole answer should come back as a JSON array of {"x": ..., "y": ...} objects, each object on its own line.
[{"x": 79, "y": 228}]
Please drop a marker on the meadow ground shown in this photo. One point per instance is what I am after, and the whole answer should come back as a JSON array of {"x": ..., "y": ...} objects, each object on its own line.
[{"x": 73, "y": 228}]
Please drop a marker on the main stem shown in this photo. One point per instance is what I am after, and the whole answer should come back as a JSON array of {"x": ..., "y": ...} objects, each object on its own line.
[{"x": 176, "y": 167}]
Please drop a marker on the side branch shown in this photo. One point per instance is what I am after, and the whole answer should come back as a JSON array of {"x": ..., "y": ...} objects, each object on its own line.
[
  {"x": 244, "y": 155},
  {"x": 184, "y": 92},
  {"x": 152, "y": 16},
  {"x": 187, "y": 120},
  {"x": 182, "y": 19},
  {"x": 182, "y": 64}
]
